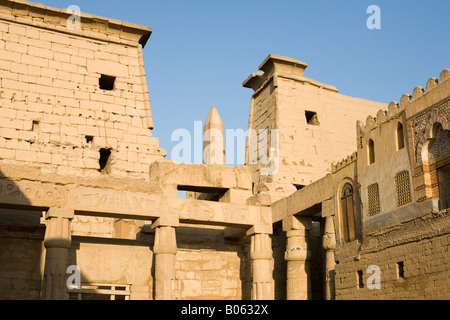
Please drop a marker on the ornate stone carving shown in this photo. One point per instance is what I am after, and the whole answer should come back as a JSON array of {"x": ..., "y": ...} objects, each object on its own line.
[
  {"x": 32, "y": 193},
  {"x": 440, "y": 148},
  {"x": 297, "y": 256},
  {"x": 116, "y": 202},
  {"x": 261, "y": 255},
  {"x": 425, "y": 121}
]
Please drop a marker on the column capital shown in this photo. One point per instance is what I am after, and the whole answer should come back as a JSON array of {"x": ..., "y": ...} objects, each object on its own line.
[
  {"x": 165, "y": 240},
  {"x": 261, "y": 255},
  {"x": 58, "y": 233},
  {"x": 166, "y": 221},
  {"x": 59, "y": 213},
  {"x": 296, "y": 246},
  {"x": 292, "y": 222},
  {"x": 261, "y": 247},
  {"x": 259, "y": 229}
]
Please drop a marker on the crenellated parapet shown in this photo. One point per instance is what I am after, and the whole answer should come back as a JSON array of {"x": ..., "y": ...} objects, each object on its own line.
[
  {"x": 336, "y": 166},
  {"x": 394, "y": 108},
  {"x": 390, "y": 148}
]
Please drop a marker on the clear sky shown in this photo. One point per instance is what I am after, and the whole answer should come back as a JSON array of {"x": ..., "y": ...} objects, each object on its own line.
[{"x": 201, "y": 51}]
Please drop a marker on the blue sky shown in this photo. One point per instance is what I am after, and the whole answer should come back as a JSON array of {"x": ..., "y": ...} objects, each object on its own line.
[{"x": 201, "y": 51}]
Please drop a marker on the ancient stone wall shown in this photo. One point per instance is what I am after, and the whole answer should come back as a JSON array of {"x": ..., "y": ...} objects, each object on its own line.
[
  {"x": 413, "y": 259},
  {"x": 83, "y": 183},
  {"x": 21, "y": 265},
  {"x": 55, "y": 113},
  {"x": 405, "y": 226},
  {"x": 316, "y": 123},
  {"x": 391, "y": 172},
  {"x": 316, "y": 128},
  {"x": 114, "y": 262}
]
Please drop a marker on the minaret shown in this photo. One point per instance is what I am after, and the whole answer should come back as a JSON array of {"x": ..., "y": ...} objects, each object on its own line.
[{"x": 213, "y": 139}]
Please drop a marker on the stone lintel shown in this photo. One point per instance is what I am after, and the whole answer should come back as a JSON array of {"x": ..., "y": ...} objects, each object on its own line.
[
  {"x": 217, "y": 213},
  {"x": 200, "y": 177}
]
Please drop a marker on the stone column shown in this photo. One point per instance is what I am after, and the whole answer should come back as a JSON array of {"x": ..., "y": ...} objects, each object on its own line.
[
  {"x": 297, "y": 256},
  {"x": 329, "y": 245},
  {"x": 261, "y": 255},
  {"x": 57, "y": 243},
  {"x": 165, "y": 249}
]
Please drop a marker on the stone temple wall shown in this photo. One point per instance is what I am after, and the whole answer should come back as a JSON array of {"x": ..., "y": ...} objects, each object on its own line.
[
  {"x": 84, "y": 183},
  {"x": 413, "y": 260},
  {"x": 55, "y": 110}
]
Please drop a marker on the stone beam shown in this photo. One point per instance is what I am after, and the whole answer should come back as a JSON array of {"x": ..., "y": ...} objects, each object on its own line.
[
  {"x": 223, "y": 214},
  {"x": 193, "y": 177},
  {"x": 132, "y": 205},
  {"x": 93, "y": 201},
  {"x": 32, "y": 194},
  {"x": 307, "y": 201}
]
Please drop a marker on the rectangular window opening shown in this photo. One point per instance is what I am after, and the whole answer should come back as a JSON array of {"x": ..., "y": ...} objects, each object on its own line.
[
  {"x": 201, "y": 193},
  {"x": 89, "y": 139},
  {"x": 105, "y": 161},
  {"x": 107, "y": 82},
  {"x": 360, "y": 279},
  {"x": 401, "y": 270},
  {"x": 312, "y": 118},
  {"x": 35, "y": 126},
  {"x": 182, "y": 194}
]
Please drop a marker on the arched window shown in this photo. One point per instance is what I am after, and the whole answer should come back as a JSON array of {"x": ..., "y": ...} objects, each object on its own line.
[
  {"x": 371, "y": 152},
  {"x": 400, "y": 137},
  {"x": 348, "y": 213}
]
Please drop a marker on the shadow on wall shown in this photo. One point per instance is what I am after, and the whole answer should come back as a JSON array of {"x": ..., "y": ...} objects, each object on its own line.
[
  {"x": 207, "y": 266},
  {"x": 21, "y": 244},
  {"x": 111, "y": 269},
  {"x": 210, "y": 267}
]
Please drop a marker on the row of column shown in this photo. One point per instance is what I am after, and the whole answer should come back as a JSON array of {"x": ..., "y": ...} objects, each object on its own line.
[
  {"x": 58, "y": 242},
  {"x": 165, "y": 249},
  {"x": 298, "y": 256}
]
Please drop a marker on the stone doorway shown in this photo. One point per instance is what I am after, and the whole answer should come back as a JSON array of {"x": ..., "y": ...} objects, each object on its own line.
[
  {"x": 317, "y": 266},
  {"x": 443, "y": 174}
]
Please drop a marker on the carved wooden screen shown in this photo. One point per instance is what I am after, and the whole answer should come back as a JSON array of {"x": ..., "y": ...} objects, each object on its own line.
[
  {"x": 374, "y": 199},
  {"x": 403, "y": 188}
]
